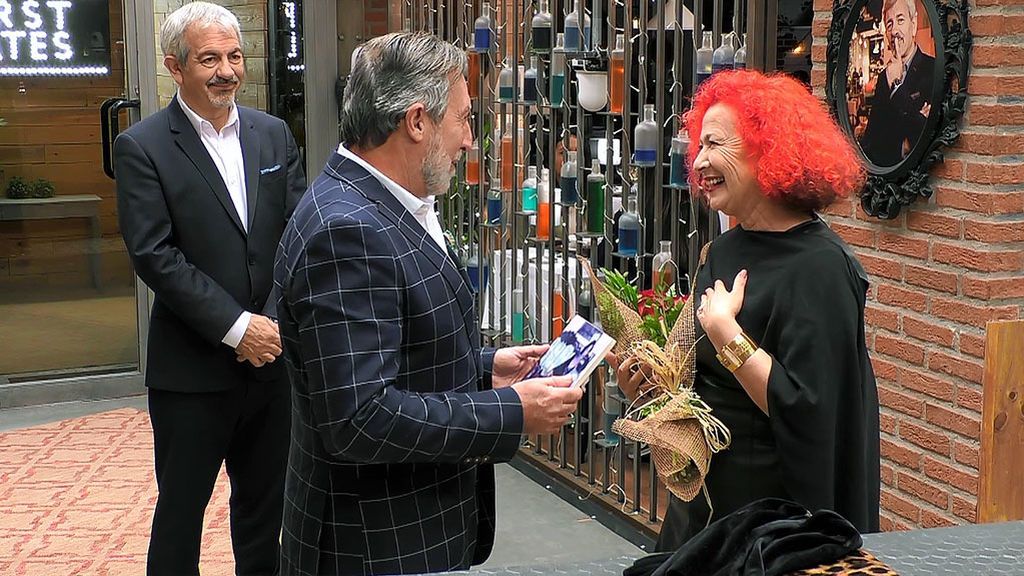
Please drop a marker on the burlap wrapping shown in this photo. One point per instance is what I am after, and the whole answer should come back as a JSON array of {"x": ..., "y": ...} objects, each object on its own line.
[
  {"x": 617, "y": 320},
  {"x": 676, "y": 440},
  {"x": 676, "y": 434}
]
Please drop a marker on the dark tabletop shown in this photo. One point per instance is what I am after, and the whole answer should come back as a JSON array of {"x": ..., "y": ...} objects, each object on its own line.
[{"x": 971, "y": 550}]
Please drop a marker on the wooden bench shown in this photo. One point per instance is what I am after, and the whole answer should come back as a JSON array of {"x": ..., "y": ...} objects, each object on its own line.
[{"x": 67, "y": 206}]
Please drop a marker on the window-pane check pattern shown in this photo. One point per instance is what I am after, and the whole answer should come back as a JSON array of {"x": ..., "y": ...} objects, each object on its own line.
[{"x": 394, "y": 423}]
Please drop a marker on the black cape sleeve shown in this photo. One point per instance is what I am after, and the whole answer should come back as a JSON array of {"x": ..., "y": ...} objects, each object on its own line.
[{"x": 822, "y": 400}]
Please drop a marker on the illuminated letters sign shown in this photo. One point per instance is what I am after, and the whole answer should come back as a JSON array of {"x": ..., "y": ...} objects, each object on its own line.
[
  {"x": 54, "y": 38},
  {"x": 293, "y": 58}
]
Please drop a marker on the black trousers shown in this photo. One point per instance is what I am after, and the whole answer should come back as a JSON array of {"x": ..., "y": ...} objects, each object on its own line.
[{"x": 247, "y": 428}]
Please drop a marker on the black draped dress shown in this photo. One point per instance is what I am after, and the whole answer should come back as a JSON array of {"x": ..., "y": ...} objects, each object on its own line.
[{"x": 804, "y": 305}]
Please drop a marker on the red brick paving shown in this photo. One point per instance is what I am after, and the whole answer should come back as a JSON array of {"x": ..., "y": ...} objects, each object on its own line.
[{"x": 76, "y": 497}]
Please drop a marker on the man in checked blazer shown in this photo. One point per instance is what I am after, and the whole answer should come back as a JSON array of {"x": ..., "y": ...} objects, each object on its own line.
[
  {"x": 397, "y": 414},
  {"x": 204, "y": 189}
]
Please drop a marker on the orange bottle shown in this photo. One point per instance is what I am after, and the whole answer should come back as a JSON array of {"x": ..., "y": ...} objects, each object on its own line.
[
  {"x": 557, "y": 323},
  {"x": 473, "y": 165},
  {"x": 473, "y": 75},
  {"x": 543, "y": 206},
  {"x": 617, "y": 80}
]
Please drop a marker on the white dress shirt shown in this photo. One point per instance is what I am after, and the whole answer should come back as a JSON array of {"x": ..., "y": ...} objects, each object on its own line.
[
  {"x": 225, "y": 149},
  {"x": 421, "y": 208}
]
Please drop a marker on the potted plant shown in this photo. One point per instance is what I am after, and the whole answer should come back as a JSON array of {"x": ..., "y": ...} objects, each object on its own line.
[
  {"x": 17, "y": 188},
  {"x": 42, "y": 188}
]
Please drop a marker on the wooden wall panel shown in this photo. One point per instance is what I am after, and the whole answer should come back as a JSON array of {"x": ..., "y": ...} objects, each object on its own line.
[
  {"x": 1001, "y": 494},
  {"x": 53, "y": 132}
]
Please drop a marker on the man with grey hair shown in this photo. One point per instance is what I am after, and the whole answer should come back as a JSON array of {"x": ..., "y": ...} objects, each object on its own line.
[
  {"x": 204, "y": 189},
  {"x": 397, "y": 413},
  {"x": 903, "y": 91}
]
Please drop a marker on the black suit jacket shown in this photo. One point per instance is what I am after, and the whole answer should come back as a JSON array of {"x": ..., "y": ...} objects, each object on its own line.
[
  {"x": 895, "y": 119},
  {"x": 188, "y": 244},
  {"x": 394, "y": 424}
]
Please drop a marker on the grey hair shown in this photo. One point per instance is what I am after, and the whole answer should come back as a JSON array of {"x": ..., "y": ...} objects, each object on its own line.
[
  {"x": 202, "y": 14},
  {"x": 392, "y": 73},
  {"x": 911, "y": 7}
]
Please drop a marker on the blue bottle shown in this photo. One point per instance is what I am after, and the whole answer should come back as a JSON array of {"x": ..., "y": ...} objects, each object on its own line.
[
  {"x": 629, "y": 228},
  {"x": 483, "y": 30}
]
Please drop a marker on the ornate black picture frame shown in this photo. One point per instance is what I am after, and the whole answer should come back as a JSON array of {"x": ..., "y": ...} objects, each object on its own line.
[{"x": 900, "y": 126}]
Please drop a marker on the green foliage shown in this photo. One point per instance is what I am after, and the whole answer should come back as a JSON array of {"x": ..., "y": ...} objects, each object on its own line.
[
  {"x": 621, "y": 287},
  {"x": 42, "y": 188},
  {"x": 659, "y": 309},
  {"x": 653, "y": 406},
  {"x": 17, "y": 188}
]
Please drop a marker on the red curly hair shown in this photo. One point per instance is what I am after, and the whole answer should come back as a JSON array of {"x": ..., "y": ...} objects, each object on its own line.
[{"x": 803, "y": 158}]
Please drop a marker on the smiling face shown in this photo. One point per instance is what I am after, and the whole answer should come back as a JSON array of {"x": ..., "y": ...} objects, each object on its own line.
[
  {"x": 213, "y": 70},
  {"x": 724, "y": 167},
  {"x": 449, "y": 138},
  {"x": 901, "y": 28}
]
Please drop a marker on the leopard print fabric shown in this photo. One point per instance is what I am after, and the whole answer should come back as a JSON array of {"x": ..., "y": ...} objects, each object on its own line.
[{"x": 858, "y": 563}]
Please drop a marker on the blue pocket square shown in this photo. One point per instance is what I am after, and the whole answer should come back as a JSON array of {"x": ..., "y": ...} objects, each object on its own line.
[{"x": 273, "y": 168}]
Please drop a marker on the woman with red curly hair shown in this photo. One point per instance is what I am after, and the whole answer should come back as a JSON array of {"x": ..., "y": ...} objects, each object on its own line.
[{"x": 781, "y": 356}]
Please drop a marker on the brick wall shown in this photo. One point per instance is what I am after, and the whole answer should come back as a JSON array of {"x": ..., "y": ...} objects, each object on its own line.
[
  {"x": 939, "y": 272},
  {"x": 375, "y": 18},
  {"x": 252, "y": 17}
]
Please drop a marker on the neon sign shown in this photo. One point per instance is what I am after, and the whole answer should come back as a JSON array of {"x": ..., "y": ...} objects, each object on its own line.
[
  {"x": 54, "y": 38},
  {"x": 293, "y": 56}
]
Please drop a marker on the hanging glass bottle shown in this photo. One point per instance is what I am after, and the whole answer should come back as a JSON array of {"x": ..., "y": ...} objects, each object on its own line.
[
  {"x": 617, "y": 69},
  {"x": 494, "y": 202},
  {"x": 473, "y": 165},
  {"x": 543, "y": 205},
  {"x": 567, "y": 182},
  {"x": 723, "y": 56},
  {"x": 645, "y": 139},
  {"x": 473, "y": 74},
  {"x": 483, "y": 30},
  {"x": 473, "y": 270},
  {"x": 705, "y": 58},
  {"x": 629, "y": 227},
  {"x": 540, "y": 29},
  {"x": 506, "y": 83},
  {"x": 518, "y": 316},
  {"x": 530, "y": 82},
  {"x": 740, "y": 58},
  {"x": 664, "y": 268},
  {"x": 612, "y": 408},
  {"x": 530, "y": 190},
  {"x": 557, "y": 83},
  {"x": 577, "y": 29},
  {"x": 595, "y": 199},
  {"x": 678, "y": 160}
]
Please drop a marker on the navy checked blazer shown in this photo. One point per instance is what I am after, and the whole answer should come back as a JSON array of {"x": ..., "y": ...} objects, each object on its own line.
[{"x": 394, "y": 424}]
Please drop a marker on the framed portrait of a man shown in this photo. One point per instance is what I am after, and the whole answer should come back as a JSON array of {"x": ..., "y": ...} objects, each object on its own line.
[{"x": 896, "y": 81}]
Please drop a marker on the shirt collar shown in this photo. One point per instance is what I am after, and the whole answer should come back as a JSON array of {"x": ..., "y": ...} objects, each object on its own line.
[
  {"x": 414, "y": 204},
  {"x": 198, "y": 121}
]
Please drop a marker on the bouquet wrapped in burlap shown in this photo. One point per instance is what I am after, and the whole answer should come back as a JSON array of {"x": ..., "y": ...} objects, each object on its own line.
[{"x": 667, "y": 414}]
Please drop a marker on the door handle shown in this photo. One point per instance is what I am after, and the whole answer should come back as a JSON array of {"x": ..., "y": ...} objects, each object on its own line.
[{"x": 110, "y": 127}]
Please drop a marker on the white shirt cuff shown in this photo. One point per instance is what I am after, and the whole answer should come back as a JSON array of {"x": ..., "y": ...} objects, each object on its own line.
[{"x": 237, "y": 331}]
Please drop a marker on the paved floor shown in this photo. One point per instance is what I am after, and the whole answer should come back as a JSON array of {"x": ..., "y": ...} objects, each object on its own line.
[{"x": 535, "y": 527}]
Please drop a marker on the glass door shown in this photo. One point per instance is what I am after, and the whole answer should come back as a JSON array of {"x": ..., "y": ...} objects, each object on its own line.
[{"x": 69, "y": 300}]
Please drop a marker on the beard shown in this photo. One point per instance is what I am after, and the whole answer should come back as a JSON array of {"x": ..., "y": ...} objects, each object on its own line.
[
  {"x": 221, "y": 100},
  {"x": 437, "y": 168}
]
